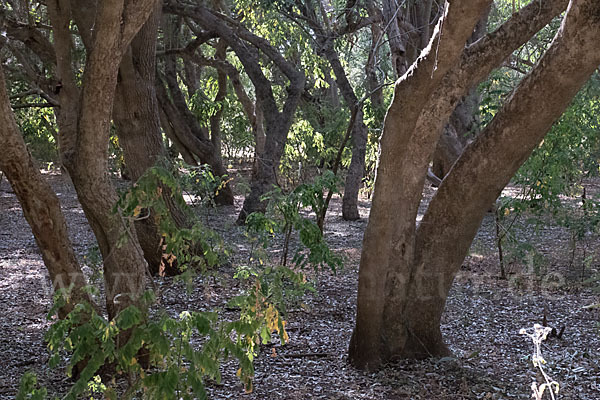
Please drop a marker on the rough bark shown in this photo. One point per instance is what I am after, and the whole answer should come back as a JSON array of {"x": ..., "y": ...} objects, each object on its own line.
[
  {"x": 136, "y": 116},
  {"x": 488, "y": 164},
  {"x": 41, "y": 208},
  {"x": 390, "y": 279},
  {"x": 84, "y": 124},
  {"x": 389, "y": 238}
]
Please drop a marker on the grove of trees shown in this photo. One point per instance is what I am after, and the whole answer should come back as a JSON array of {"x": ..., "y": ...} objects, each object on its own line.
[{"x": 376, "y": 98}]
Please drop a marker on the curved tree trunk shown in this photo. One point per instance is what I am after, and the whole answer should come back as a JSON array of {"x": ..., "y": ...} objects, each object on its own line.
[
  {"x": 479, "y": 176},
  {"x": 41, "y": 208},
  {"x": 181, "y": 127},
  {"x": 276, "y": 123},
  {"x": 196, "y": 139},
  {"x": 398, "y": 313},
  {"x": 84, "y": 125}
]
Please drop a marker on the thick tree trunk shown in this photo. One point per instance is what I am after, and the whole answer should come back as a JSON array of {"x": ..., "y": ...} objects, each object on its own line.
[
  {"x": 480, "y": 174},
  {"x": 40, "y": 207},
  {"x": 136, "y": 116},
  {"x": 398, "y": 303},
  {"x": 84, "y": 123},
  {"x": 388, "y": 247}
]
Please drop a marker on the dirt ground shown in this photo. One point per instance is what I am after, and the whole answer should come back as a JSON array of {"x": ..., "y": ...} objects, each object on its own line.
[{"x": 481, "y": 324}]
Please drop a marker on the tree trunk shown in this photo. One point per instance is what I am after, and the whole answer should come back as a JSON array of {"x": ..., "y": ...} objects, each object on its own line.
[
  {"x": 404, "y": 275},
  {"x": 464, "y": 121},
  {"x": 388, "y": 247},
  {"x": 84, "y": 124},
  {"x": 392, "y": 29},
  {"x": 136, "y": 117},
  {"x": 480, "y": 174},
  {"x": 357, "y": 168},
  {"x": 359, "y": 131},
  {"x": 448, "y": 149},
  {"x": 40, "y": 207}
]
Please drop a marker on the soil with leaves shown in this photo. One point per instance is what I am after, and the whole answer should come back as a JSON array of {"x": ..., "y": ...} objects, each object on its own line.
[{"x": 483, "y": 317}]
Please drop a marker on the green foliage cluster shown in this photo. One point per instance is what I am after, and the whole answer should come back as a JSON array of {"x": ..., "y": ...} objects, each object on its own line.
[
  {"x": 178, "y": 366},
  {"x": 284, "y": 215},
  {"x": 195, "y": 245},
  {"x": 37, "y": 125},
  {"x": 156, "y": 355}
]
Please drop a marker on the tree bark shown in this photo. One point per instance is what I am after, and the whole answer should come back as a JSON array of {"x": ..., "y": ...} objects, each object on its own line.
[
  {"x": 41, "y": 208},
  {"x": 388, "y": 246},
  {"x": 397, "y": 313},
  {"x": 136, "y": 116},
  {"x": 84, "y": 124},
  {"x": 488, "y": 164}
]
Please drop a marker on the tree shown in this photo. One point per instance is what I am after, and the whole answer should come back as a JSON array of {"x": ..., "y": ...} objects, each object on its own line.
[
  {"x": 326, "y": 30},
  {"x": 84, "y": 127},
  {"x": 40, "y": 207},
  {"x": 198, "y": 139},
  {"x": 135, "y": 115},
  {"x": 406, "y": 271},
  {"x": 247, "y": 47}
]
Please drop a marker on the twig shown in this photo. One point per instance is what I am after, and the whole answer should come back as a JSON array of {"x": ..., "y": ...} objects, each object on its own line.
[{"x": 305, "y": 355}]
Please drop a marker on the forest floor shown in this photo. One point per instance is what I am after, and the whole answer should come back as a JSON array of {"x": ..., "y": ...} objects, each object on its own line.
[{"x": 481, "y": 324}]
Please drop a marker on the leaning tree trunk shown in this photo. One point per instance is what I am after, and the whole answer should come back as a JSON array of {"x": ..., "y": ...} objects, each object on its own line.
[
  {"x": 41, "y": 208},
  {"x": 388, "y": 248},
  {"x": 136, "y": 116},
  {"x": 84, "y": 125},
  {"x": 389, "y": 279},
  {"x": 479, "y": 175}
]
